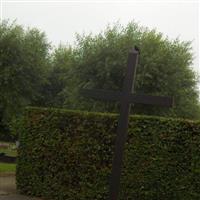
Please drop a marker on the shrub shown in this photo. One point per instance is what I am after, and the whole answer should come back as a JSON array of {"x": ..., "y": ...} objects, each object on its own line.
[
  {"x": 5, "y": 134},
  {"x": 67, "y": 155}
]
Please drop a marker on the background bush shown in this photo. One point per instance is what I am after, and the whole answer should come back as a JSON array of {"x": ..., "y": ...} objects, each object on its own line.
[
  {"x": 5, "y": 134},
  {"x": 67, "y": 155}
]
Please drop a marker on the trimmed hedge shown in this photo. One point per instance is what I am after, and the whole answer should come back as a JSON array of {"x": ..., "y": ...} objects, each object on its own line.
[{"x": 67, "y": 155}]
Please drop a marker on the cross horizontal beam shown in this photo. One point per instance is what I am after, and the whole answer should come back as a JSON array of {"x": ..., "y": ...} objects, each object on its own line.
[{"x": 108, "y": 95}]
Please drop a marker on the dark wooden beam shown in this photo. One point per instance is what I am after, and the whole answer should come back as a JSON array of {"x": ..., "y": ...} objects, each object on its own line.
[
  {"x": 152, "y": 100},
  {"x": 125, "y": 98},
  {"x": 109, "y": 95}
]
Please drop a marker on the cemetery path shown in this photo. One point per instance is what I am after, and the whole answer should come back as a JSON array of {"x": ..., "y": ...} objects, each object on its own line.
[{"x": 8, "y": 188}]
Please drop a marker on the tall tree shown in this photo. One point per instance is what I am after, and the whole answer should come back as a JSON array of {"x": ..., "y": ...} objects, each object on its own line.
[
  {"x": 23, "y": 67},
  {"x": 164, "y": 69},
  {"x": 62, "y": 60}
]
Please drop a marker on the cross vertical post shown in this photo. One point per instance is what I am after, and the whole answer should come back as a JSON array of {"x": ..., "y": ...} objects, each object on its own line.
[
  {"x": 125, "y": 98},
  {"x": 123, "y": 124}
]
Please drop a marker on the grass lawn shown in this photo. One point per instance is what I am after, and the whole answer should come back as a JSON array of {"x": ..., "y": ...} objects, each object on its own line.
[
  {"x": 7, "y": 167},
  {"x": 10, "y": 150}
]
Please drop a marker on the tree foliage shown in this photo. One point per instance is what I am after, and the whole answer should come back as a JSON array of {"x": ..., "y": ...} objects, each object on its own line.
[
  {"x": 23, "y": 67},
  {"x": 31, "y": 75},
  {"x": 164, "y": 69},
  {"x": 62, "y": 60}
]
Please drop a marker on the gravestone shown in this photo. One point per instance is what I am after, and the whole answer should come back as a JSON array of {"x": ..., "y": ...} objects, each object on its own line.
[{"x": 126, "y": 97}]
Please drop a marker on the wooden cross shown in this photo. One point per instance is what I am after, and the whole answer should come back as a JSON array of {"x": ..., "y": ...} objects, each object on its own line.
[{"x": 126, "y": 97}]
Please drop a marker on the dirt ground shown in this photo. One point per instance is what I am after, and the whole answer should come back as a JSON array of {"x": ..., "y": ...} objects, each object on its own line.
[
  {"x": 7, "y": 183},
  {"x": 8, "y": 188}
]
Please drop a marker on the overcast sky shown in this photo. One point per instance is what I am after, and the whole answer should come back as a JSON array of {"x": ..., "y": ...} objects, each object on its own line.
[{"x": 62, "y": 19}]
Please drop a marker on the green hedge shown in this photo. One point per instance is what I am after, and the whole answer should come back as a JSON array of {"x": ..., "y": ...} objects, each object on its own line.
[{"x": 67, "y": 155}]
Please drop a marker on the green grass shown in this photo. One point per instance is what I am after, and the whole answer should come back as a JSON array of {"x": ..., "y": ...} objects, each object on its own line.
[
  {"x": 9, "y": 151},
  {"x": 5, "y": 167}
]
